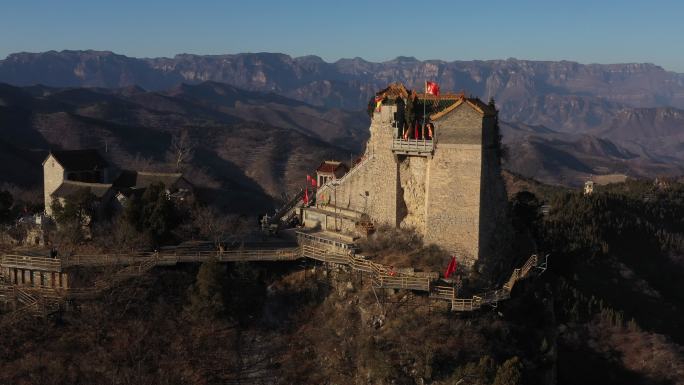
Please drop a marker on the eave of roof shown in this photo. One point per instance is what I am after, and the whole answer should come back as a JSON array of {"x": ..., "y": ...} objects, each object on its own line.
[
  {"x": 475, "y": 106},
  {"x": 329, "y": 166},
  {"x": 143, "y": 179},
  {"x": 69, "y": 187},
  {"x": 394, "y": 90}
]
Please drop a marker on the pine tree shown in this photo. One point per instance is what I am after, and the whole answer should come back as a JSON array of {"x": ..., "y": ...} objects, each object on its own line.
[{"x": 206, "y": 297}]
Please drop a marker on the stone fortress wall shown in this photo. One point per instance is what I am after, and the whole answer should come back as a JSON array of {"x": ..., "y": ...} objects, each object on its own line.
[
  {"x": 454, "y": 197},
  {"x": 453, "y": 188},
  {"x": 371, "y": 189}
]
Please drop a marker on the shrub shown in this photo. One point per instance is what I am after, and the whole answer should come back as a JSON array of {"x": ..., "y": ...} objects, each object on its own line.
[
  {"x": 509, "y": 373},
  {"x": 207, "y": 294}
]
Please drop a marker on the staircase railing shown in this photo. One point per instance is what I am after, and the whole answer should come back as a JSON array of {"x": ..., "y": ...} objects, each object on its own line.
[
  {"x": 35, "y": 301},
  {"x": 346, "y": 176}
]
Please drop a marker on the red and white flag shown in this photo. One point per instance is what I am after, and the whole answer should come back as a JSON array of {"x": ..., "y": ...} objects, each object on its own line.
[{"x": 432, "y": 88}]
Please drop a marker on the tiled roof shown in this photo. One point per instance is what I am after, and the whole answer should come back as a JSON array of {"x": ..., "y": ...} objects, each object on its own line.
[
  {"x": 486, "y": 108},
  {"x": 394, "y": 90},
  {"x": 143, "y": 179},
  {"x": 80, "y": 160},
  {"x": 440, "y": 105},
  {"x": 474, "y": 103},
  {"x": 447, "y": 96},
  {"x": 69, "y": 187},
  {"x": 330, "y": 166}
]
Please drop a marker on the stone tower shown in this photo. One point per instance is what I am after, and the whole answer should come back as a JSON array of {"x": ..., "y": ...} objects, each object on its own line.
[{"x": 448, "y": 185}]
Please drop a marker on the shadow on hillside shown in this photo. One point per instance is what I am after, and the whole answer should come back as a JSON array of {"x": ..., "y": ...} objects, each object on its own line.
[
  {"x": 585, "y": 366},
  {"x": 236, "y": 191}
]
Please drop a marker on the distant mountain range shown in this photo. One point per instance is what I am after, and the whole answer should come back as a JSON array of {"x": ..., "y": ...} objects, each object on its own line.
[
  {"x": 564, "y": 120},
  {"x": 520, "y": 86}
]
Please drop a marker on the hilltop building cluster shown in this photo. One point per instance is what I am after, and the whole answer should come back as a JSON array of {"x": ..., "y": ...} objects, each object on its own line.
[
  {"x": 432, "y": 163},
  {"x": 436, "y": 172},
  {"x": 67, "y": 172}
]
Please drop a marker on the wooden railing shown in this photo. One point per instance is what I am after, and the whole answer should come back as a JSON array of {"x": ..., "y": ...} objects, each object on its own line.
[
  {"x": 447, "y": 293},
  {"x": 492, "y": 297},
  {"x": 286, "y": 254},
  {"x": 417, "y": 146},
  {"x": 354, "y": 170},
  {"x": 28, "y": 262},
  {"x": 466, "y": 304},
  {"x": 164, "y": 258},
  {"x": 402, "y": 282},
  {"x": 360, "y": 263},
  {"x": 312, "y": 247},
  {"x": 24, "y": 297},
  {"x": 383, "y": 277},
  {"x": 312, "y": 239},
  {"x": 28, "y": 304},
  {"x": 291, "y": 204}
]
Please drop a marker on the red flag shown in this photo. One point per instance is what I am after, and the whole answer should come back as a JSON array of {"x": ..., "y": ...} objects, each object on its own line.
[
  {"x": 306, "y": 196},
  {"x": 313, "y": 182},
  {"x": 308, "y": 178},
  {"x": 451, "y": 268},
  {"x": 415, "y": 131},
  {"x": 432, "y": 88}
]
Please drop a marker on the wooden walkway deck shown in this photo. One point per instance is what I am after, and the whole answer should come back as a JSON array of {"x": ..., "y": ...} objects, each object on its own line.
[{"x": 40, "y": 301}]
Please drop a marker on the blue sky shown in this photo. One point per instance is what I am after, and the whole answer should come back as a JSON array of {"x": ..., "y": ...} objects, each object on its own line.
[{"x": 598, "y": 31}]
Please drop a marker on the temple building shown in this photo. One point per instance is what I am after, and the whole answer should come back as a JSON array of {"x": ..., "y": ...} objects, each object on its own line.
[
  {"x": 432, "y": 163},
  {"x": 67, "y": 172},
  {"x": 329, "y": 171}
]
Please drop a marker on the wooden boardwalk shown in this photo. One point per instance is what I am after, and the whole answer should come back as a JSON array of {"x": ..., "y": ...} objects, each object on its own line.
[{"x": 42, "y": 300}]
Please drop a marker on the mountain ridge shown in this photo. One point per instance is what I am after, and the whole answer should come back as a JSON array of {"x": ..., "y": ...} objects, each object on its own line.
[
  {"x": 264, "y": 143},
  {"x": 564, "y": 96},
  {"x": 255, "y": 71}
]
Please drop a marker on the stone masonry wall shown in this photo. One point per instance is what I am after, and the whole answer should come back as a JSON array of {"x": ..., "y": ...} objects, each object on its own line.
[
  {"x": 455, "y": 199},
  {"x": 495, "y": 228},
  {"x": 53, "y": 176},
  {"x": 412, "y": 181},
  {"x": 377, "y": 176},
  {"x": 453, "y": 188}
]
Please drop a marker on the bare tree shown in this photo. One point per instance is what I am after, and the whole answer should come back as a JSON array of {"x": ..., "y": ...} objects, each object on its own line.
[
  {"x": 211, "y": 224},
  {"x": 182, "y": 148},
  {"x": 218, "y": 227}
]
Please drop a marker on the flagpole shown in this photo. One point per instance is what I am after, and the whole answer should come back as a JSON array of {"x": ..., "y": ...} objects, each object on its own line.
[{"x": 424, "y": 99}]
